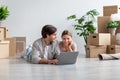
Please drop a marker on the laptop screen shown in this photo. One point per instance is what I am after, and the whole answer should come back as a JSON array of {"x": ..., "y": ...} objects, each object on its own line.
[{"x": 67, "y": 57}]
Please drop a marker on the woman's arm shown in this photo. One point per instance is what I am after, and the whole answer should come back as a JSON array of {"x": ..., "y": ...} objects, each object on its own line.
[{"x": 72, "y": 47}]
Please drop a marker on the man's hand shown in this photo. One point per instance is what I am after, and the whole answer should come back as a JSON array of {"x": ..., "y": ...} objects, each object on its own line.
[
  {"x": 54, "y": 61},
  {"x": 43, "y": 61}
]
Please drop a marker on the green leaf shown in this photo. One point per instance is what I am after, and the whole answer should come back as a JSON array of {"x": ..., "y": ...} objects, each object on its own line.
[
  {"x": 4, "y": 13},
  {"x": 80, "y": 20},
  {"x": 113, "y": 24},
  {"x": 71, "y": 17}
]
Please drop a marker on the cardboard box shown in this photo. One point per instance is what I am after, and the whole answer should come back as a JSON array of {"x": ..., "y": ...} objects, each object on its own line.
[
  {"x": 102, "y": 24},
  {"x": 108, "y": 10},
  {"x": 99, "y": 39},
  {"x": 93, "y": 51},
  {"x": 21, "y": 39},
  {"x": 113, "y": 49},
  {"x": 5, "y": 32},
  {"x": 20, "y": 44},
  {"x": 4, "y": 49},
  {"x": 113, "y": 40},
  {"x": 12, "y": 46},
  {"x": 118, "y": 29},
  {"x": 20, "y": 47},
  {"x": 118, "y": 42},
  {"x": 1, "y": 34}
]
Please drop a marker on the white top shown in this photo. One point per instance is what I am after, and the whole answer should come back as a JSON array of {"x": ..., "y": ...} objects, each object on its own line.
[{"x": 46, "y": 52}]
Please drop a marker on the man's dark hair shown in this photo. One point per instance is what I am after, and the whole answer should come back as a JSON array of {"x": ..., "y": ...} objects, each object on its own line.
[{"x": 48, "y": 30}]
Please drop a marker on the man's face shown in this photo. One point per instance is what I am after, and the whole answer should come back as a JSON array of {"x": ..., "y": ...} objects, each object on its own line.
[{"x": 52, "y": 37}]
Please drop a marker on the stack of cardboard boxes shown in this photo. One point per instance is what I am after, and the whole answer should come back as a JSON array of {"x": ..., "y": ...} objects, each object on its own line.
[
  {"x": 103, "y": 20},
  {"x": 10, "y": 46},
  {"x": 103, "y": 41},
  {"x": 4, "y": 45}
]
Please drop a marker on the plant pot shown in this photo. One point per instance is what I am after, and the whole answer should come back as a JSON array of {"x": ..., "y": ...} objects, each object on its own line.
[
  {"x": 118, "y": 38},
  {"x": 87, "y": 51},
  {"x": 112, "y": 31}
]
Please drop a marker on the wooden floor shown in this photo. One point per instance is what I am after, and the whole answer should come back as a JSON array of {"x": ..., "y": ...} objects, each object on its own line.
[{"x": 84, "y": 69}]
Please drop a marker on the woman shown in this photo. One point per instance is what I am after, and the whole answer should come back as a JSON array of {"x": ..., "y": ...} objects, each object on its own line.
[{"x": 67, "y": 44}]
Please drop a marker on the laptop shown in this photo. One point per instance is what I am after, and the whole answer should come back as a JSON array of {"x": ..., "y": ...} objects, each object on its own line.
[{"x": 67, "y": 58}]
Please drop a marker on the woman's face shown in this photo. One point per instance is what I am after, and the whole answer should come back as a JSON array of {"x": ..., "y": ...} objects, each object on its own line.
[{"x": 66, "y": 39}]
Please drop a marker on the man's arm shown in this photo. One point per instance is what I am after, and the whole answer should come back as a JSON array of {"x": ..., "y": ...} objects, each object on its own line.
[
  {"x": 43, "y": 61},
  {"x": 36, "y": 58},
  {"x": 35, "y": 53}
]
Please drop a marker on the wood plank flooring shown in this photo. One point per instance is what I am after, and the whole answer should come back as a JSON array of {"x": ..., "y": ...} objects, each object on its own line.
[{"x": 84, "y": 69}]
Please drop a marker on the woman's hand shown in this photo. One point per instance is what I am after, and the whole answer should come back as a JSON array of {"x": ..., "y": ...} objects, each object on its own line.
[
  {"x": 70, "y": 43},
  {"x": 70, "y": 48}
]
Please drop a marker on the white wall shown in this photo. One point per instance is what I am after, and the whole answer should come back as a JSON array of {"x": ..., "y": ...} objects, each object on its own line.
[{"x": 28, "y": 16}]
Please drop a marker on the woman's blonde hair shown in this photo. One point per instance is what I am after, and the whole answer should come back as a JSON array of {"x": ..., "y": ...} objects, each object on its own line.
[{"x": 66, "y": 32}]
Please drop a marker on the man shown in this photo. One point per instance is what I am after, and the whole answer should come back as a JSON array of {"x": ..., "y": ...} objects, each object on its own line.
[{"x": 45, "y": 50}]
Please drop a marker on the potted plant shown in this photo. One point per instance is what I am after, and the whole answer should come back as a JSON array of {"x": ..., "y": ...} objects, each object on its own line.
[
  {"x": 112, "y": 26},
  {"x": 4, "y": 12},
  {"x": 85, "y": 24}
]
